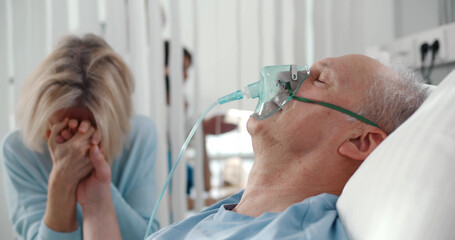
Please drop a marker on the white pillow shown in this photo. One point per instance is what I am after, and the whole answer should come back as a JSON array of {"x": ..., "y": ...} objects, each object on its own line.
[{"x": 406, "y": 188}]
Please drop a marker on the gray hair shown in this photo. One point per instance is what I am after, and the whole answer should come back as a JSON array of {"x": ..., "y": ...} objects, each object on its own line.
[{"x": 393, "y": 98}]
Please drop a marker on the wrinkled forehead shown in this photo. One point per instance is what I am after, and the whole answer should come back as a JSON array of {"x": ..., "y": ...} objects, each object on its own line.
[
  {"x": 349, "y": 71},
  {"x": 347, "y": 63}
]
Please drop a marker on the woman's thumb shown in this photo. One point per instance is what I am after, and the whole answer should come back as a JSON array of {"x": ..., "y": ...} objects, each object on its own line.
[{"x": 99, "y": 163}]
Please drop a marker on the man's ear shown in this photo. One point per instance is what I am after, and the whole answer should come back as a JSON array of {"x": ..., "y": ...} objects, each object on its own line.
[{"x": 359, "y": 146}]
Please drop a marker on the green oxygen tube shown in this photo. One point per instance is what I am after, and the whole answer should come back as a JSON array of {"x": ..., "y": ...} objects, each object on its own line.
[{"x": 251, "y": 91}]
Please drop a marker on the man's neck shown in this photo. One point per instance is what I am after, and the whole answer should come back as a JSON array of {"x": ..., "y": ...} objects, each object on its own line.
[{"x": 273, "y": 189}]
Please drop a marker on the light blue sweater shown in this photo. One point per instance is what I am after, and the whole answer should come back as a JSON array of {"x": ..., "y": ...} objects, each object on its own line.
[{"x": 133, "y": 185}]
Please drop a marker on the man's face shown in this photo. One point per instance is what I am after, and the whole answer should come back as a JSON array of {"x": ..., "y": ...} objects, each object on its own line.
[{"x": 303, "y": 127}]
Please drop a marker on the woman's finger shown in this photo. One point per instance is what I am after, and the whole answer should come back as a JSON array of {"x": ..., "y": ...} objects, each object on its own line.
[
  {"x": 80, "y": 136},
  {"x": 73, "y": 124},
  {"x": 84, "y": 126},
  {"x": 96, "y": 138},
  {"x": 59, "y": 139},
  {"x": 102, "y": 169},
  {"x": 55, "y": 131},
  {"x": 66, "y": 134}
]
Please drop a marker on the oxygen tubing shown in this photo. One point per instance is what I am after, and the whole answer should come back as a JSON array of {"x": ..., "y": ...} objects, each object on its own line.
[{"x": 182, "y": 150}]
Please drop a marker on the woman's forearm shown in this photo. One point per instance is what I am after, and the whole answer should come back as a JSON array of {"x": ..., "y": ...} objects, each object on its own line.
[{"x": 60, "y": 214}]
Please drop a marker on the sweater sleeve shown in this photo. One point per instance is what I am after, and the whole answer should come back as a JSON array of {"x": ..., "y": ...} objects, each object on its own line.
[
  {"x": 134, "y": 195},
  {"x": 26, "y": 190}
]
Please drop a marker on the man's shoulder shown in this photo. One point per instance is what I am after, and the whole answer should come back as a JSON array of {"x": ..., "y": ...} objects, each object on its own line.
[
  {"x": 316, "y": 207},
  {"x": 324, "y": 200},
  {"x": 318, "y": 212}
]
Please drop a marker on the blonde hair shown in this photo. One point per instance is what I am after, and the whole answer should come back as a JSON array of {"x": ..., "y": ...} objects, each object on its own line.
[{"x": 82, "y": 72}]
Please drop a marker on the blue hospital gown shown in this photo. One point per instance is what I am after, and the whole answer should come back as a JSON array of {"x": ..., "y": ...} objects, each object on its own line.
[{"x": 314, "y": 218}]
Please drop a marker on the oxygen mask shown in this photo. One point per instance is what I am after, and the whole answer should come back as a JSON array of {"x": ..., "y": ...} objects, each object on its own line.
[{"x": 277, "y": 86}]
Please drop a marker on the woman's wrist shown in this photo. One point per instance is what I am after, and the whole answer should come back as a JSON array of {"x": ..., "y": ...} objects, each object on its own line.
[{"x": 61, "y": 183}]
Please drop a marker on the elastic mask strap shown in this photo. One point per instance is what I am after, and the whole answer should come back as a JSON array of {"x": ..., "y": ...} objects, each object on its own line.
[{"x": 340, "y": 109}]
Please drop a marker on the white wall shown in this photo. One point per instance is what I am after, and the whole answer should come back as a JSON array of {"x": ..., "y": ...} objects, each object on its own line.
[
  {"x": 5, "y": 226},
  {"x": 57, "y": 22},
  {"x": 350, "y": 26},
  {"x": 379, "y": 22},
  {"x": 4, "y": 78},
  {"x": 413, "y": 16}
]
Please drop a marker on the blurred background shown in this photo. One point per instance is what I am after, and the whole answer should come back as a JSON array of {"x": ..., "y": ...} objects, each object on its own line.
[{"x": 229, "y": 41}]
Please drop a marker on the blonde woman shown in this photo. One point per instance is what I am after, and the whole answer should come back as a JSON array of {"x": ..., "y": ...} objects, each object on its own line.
[{"x": 77, "y": 104}]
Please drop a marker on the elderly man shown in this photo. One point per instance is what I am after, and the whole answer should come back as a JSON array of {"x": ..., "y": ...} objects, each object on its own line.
[{"x": 305, "y": 153}]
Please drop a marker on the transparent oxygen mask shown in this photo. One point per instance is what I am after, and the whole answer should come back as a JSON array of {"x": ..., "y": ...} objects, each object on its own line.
[{"x": 277, "y": 86}]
